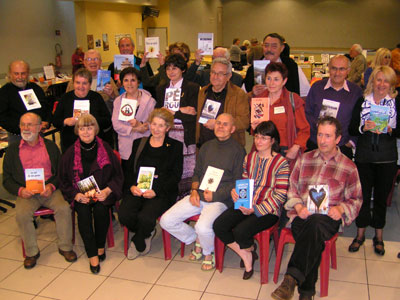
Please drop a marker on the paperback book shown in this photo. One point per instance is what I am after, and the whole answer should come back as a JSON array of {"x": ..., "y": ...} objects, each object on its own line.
[
  {"x": 81, "y": 107},
  {"x": 211, "y": 179},
  {"x": 122, "y": 61},
  {"x": 152, "y": 46},
  {"x": 103, "y": 78},
  {"x": 145, "y": 178},
  {"x": 29, "y": 99},
  {"x": 380, "y": 115},
  {"x": 128, "y": 109},
  {"x": 244, "y": 188},
  {"x": 49, "y": 72},
  {"x": 329, "y": 108},
  {"x": 34, "y": 180},
  {"x": 259, "y": 71},
  {"x": 210, "y": 111},
  {"x": 89, "y": 187},
  {"x": 318, "y": 199},
  {"x": 205, "y": 42},
  {"x": 259, "y": 109},
  {"x": 172, "y": 98}
]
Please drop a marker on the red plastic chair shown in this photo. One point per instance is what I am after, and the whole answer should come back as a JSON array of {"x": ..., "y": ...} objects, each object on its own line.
[
  {"x": 263, "y": 239},
  {"x": 389, "y": 198},
  {"x": 328, "y": 254}
]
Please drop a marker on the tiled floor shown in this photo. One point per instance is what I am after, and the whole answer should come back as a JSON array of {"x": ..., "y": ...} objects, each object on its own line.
[{"x": 360, "y": 276}]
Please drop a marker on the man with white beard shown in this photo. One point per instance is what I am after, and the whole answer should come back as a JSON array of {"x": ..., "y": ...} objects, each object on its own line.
[{"x": 36, "y": 154}]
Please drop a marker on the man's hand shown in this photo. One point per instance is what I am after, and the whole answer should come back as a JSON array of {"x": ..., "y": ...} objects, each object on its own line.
[
  {"x": 161, "y": 58},
  {"x": 194, "y": 198},
  {"x": 144, "y": 60},
  {"x": 198, "y": 56},
  {"x": 149, "y": 194},
  {"x": 234, "y": 195},
  {"x": 254, "y": 124},
  {"x": 26, "y": 194},
  {"x": 336, "y": 212},
  {"x": 302, "y": 211},
  {"x": 136, "y": 191},
  {"x": 210, "y": 124},
  {"x": 189, "y": 110},
  {"x": 104, "y": 194},
  {"x": 108, "y": 90},
  {"x": 208, "y": 196},
  {"x": 70, "y": 121},
  {"x": 258, "y": 89},
  {"x": 48, "y": 190},
  {"x": 291, "y": 153}
]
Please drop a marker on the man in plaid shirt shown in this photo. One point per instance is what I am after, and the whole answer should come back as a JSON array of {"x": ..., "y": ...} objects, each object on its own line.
[{"x": 324, "y": 192}]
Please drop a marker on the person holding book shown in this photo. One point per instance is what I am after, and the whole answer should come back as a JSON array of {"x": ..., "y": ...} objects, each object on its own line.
[
  {"x": 218, "y": 166},
  {"x": 79, "y": 101},
  {"x": 286, "y": 110},
  {"x": 375, "y": 121},
  {"x": 34, "y": 154},
  {"x": 137, "y": 127},
  {"x": 91, "y": 178},
  {"x": 151, "y": 181},
  {"x": 270, "y": 171},
  {"x": 324, "y": 192},
  {"x": 179, "y": 96}
]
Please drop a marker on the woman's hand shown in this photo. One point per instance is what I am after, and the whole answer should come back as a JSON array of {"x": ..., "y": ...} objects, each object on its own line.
[
  {"x": 104, "y": 193},
  {"x": 136, "y": 191},
  {"x": 161, "y": 58},
  {"x": 144, "y": 60},
  {"x": 189, "y": 110},
  {"x": 246, "y": 211},
  {"x": 149, "y": 194},
  {"x": 134, "y": 123},
  {"x": 291, "y": 153},
  {"x": 258, "y": 89},
  {"x": 198, "y": 57},
  {"x": 108, "y": 90},
  {"x": 368, "y": 125},
  {"x": 70, "y": 121},
  {"x": 389, "y": 129},
  {"x": 234, "y": 195},
  {"x": 255, "y": 123},
  {"x": 171, "y": 111},
  {"x": 210, "y": 124},
  {"x": 81, "y": 198}
]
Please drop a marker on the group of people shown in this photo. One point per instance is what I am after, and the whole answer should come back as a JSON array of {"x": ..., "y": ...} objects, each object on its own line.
[{"x": 307, "y": 144}]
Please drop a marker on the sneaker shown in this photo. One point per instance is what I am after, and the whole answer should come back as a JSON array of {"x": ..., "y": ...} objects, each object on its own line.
[
  {"x": 286, "y": 290},
  {"x": 132, "y": 252},
  {"x": 148, "y": 242}
]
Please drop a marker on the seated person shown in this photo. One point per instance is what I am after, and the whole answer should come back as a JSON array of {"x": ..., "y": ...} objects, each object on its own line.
[
  {"x": 34, "y": 152},
  {"x": 141, "y": 207},
  {"x": 91, "y": 156},
  {"x": 270, "y": 171},
  {"x": 223, "y": 153}
]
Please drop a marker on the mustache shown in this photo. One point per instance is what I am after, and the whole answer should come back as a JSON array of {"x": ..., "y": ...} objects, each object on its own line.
[{"x": 269, "y": 53}]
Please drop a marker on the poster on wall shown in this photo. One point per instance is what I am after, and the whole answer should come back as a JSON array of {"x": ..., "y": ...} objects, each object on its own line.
[
  {"x": 106, "y": 45},
  {"x": 98, "y": 43},
  {"x": 120, "y": 36},
  {"x": 90, "y": 41}
]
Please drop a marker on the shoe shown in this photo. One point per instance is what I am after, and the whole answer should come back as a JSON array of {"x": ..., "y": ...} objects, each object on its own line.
[
  {"x": 306, "y": 297},
  {"x": 356, "y": 244},
  {"x": 242, "y": 262},
  {"x": 398, "y": 255},
  {"x": 30, "y": 261},
  {"x": 286, "y": 290},
  {"x": 147, "y": 241},
  {"x": 132, "y": 252},
  {"x": 206, "y": 263},
  {"x": 95, "y": 269},
  {"x": 195, "y": 256},
  {"x": 247, "y": 275},
  {"x": 381, "y": 250},
  {"x": 102, "y": 257},
  {"x": 70, "y": 256}
]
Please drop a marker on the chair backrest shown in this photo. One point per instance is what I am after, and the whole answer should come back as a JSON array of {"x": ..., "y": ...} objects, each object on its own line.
[{"x": 117, "y": 155}]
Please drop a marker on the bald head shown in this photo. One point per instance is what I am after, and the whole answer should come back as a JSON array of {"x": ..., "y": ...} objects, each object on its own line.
[
  {"x": 18, "y": 73},
  {"x": 224, "y": 126},
  {"x": 126, "y": 45}
]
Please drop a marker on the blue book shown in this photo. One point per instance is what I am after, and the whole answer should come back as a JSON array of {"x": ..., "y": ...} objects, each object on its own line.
[
  {"x": 244, "y": 188},
  {"x": 103, "y": 77},
  {"x": 380, "y": 115}
]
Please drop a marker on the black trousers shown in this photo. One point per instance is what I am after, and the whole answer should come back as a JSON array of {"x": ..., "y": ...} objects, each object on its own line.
[
  {"x": 344, "y": 149},
  {"x": 310, "y": 236},
  {"x": 380, "y": 177},
  {"x": 93, "y": 238},
  {"x": 140, "y": 216},
  {"x": 233, "y": 226}
]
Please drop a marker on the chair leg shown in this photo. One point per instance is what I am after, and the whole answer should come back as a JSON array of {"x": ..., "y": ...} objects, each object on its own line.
[
  {"x": 73, "y": 226},
  {"x": 324, "y": 270},
  {"x": 167, "y": 244},
  {"x": 182, "y": 249},
  {"x": 219, "y": 254},
  {"x": 333, "y": 255},
  {"x": 110, "y": 233},
  {"x": 276, "y": 240},
  {"x": 264, "y": 256},
  {"x": 23, "y": 248},
  {"x": 279, "y": 253}
]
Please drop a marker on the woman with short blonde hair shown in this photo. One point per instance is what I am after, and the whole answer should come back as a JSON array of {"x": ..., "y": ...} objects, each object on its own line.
[{"x": 383, "y": 57}]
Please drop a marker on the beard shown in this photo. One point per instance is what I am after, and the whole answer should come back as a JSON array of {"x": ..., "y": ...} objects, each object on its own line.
[
  {"x": 29, "y": 136},
  {"x": 20, "y": 83}
]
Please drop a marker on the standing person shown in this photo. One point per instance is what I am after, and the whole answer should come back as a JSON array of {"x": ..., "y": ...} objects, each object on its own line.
[
  {"x": 376, "y": 154},
  {"x": 128, "y": 131},
  {"x": 139, "y": 209},
  {"x": 184, "y": 128},
  {"x": 382, "y": 57},
  {"x": 395, "y": 64},
  {"x": 77, "y": 59},
  {"x": 235, "y": 52},
  {"x": 358, "y": 64},
  {"x": 270, "y": 171},
  {"x": 328, "y": 167},
  {"x": 91, "y": 156}
]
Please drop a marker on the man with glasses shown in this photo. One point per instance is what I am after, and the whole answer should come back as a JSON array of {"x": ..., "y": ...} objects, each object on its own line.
[
  {"x": 334, "y": 96},
  {"x": 36, "y": 154},
  {"x": 12, "y": 105},
  {"x": 231, "y": 98}
]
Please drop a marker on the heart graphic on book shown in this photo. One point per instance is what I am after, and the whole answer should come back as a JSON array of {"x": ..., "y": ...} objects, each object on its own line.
[{"x": 317, "y": 196}]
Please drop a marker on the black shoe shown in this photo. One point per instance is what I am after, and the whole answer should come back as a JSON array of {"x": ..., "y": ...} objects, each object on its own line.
[
  {"x": 356, "y": 244},
  {"x": 242, "y": 262},
  {"x": 247, "y": 275},
  {"x": 95, "y": 269},
  {"x": 102, "y": 257},
  {"x": 398, "y": 255},
  {"x": 380, "y": 250}
]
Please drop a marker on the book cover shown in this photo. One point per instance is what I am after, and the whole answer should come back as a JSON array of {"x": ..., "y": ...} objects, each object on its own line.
[
  {"x": 34, "y": 180},
  {"x": 380, "y": 115},
  {"x": 152, "y": 46},
  {"x": 205, "y": 42},
  {"x": 49, "y": 72},
  {"x": 318, "y": 199},
  {"x": 172, "y": 98},
  {"x": 103, "y": 78},
  {"x": 244, "y": 188},
  {"x": 259, "y": 109},
  {"x": 259, "y": 71},
  {"x": 210, "y": 111},
  {"x": 329, "y": 108},
  {"x": 29, "y": 99},
  {"x": 127, "y": 110},
  {"x": 211, "y": 179},
  {"x": 88, "y": 186},
  {"x": 122, "y": 61},
  {"x": 145, "y": 178},
  {"x": 81, "y": 107}
]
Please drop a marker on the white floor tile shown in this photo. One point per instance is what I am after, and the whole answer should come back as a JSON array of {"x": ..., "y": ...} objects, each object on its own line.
[
  {"x": 121, "y": 289},
  {"x": 383, "y": 273},
  {"x": 342, "y": 245},
  {"x": 380, "y": 292},
  {"x": 9, "y": 226},
  {"x": 208, "y": 296},
  {"x": 5, "y": 239},
  {"x": 52, "y": 258},
  {"x": 169, "y": 293},
  {"x": 391, "y": 250},
  {"x": 12, "y": 295},
  {"x": 7, "y": 267},
  {"x": 13, "y": 250},
  {"x": 339, "y": 290},
  {"x": 350, "y": 270}
]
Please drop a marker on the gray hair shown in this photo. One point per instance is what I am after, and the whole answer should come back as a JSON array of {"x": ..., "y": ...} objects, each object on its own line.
[
  {"x": 226, "y": 51},
  {"x": 224, "y": 61},
  {"x": 340, "y": 56},
  {"x": 357, "y": 47},
  {"x": 126, "y": 37},
  {"x": 92, "y": 51}
]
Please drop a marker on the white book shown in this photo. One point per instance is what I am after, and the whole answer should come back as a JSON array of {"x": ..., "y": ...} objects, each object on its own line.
[
  {"x": 127, "y": 110},
  {"x": 172, "y": 98},
  {"x": 152, "y": 46},
  {"x": 49, "y": 72},
  {"x": 211, "y": 179},
  {"x": 259, "y": 71},
  {"x": 29, "y": 99},
  {"x": 81, "y": 107},
  {"x": 205, "y": 42},
  {"x": 329, "y": 108},
  {"x": 325, "y": 58},
  {"x": 210, "y": 111},
  {"x": 145, "y": 178},
  {"x": 34, "y": 180},
  {"x": 318, "y": 199}
]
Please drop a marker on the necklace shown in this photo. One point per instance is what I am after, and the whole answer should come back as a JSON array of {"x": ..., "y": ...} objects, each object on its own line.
[{"x": 88, "y": 149}]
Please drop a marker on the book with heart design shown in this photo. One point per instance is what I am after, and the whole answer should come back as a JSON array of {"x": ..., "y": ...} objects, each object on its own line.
[{"x": 318, "y": 199}]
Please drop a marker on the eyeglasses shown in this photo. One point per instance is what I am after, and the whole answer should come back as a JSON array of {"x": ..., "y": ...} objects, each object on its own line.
[
  {"x": 219, "y": 74},
  {"x": 29, "y": 125},
  {"x": 334, "y": 69},
  {"x": 92, "y": 59}
]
